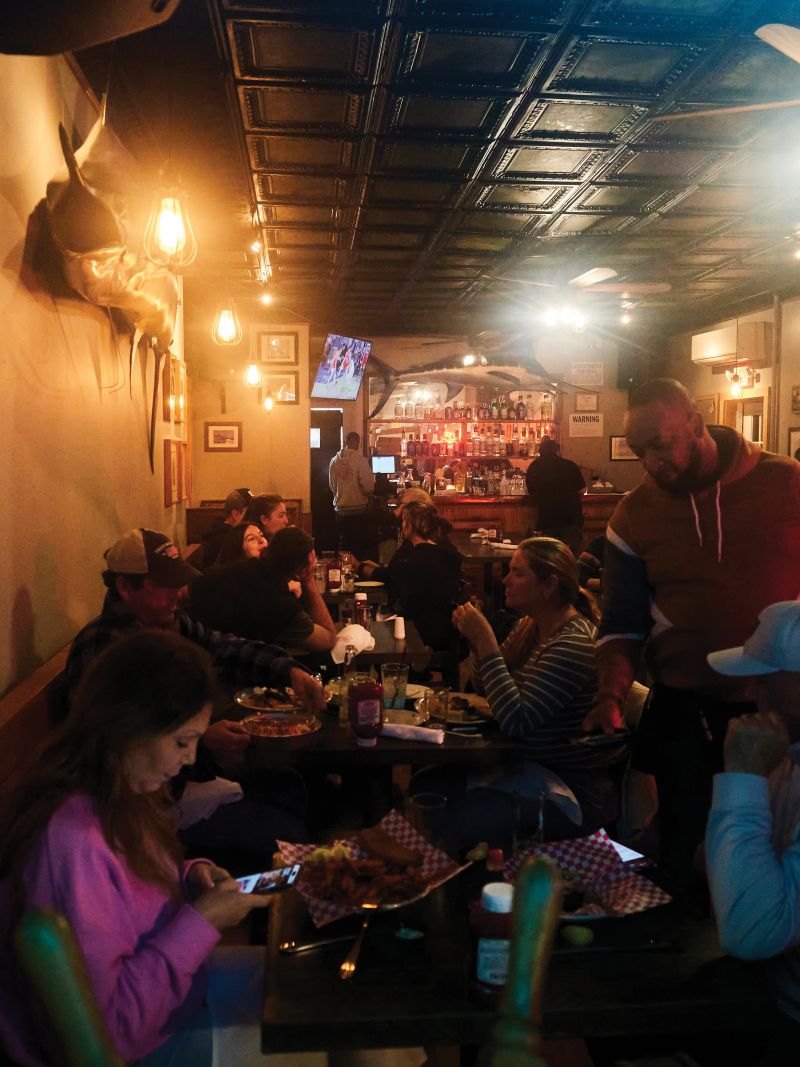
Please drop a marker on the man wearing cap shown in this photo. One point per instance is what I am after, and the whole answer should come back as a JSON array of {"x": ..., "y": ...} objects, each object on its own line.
[
  {"x": 232, "y": 514},
  {"x": 753, "y": 834},
  {"x": 146, "y": 581}
]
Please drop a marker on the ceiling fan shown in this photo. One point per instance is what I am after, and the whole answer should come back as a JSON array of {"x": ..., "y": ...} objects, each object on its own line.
[
  {"x": 599, "y": 280},
  {"x": 785, "y": 39}
]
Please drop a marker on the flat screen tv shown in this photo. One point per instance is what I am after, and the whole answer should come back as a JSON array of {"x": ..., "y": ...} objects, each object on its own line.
[{"x": 341, "y": 368}]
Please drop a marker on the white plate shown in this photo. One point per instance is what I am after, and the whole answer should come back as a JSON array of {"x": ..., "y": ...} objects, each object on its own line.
[
  {"x": 367, "y": 585},
  {"x": 402, "y": 717},
  {"x": 414, "y": 691},
  {"x": 592, "y": 917},
  {"x": 457, "y": 715}
]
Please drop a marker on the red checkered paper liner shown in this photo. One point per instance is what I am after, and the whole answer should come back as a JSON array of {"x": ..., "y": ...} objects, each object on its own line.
[
  {"x": 595, "y": 863},
  {"x": 436, "y": 868}
]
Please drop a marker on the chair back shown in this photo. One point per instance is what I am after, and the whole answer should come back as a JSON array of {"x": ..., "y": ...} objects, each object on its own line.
[
  {"x": 53, "y": 963},
  {"x": 537, "y": 905}
]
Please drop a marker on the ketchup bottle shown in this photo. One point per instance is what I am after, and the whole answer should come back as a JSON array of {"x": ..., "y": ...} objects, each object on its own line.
[
  {"x": 365, "y": 702},
  {"x": 490, "y": 919}
]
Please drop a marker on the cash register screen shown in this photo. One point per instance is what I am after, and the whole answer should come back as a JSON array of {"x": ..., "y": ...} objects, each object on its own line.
[{"x": 383, "y": 465}]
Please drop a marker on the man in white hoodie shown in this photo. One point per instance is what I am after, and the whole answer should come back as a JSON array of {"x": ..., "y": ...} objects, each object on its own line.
[
  {"x": 753, "y": 834},
  {"x": 351, "y": 480}
]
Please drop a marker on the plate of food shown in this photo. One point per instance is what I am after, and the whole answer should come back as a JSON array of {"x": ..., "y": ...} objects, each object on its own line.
[
  {"x": 367, "y": 585},
  {"x": 404, "y": 717},
  {"x": 259, "y": 698},
  {"x": 280, "y": 724},
  {"x": 414, "y": 691},
  {"x": 461, "y": 709}
]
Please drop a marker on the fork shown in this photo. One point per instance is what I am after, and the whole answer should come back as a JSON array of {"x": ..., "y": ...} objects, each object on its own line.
[{"x": 348, "y": 967}]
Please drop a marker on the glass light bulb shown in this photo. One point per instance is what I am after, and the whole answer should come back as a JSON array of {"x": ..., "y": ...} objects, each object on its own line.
[
  {"x": 268, "y": 402},
  {"x": 227, "y": 329},
  {"x": 266, "y": 298},
  {"x": 170, "y": 231},
  {"x": 736, "y": 387},
  {"x": 252, "y": 375}
]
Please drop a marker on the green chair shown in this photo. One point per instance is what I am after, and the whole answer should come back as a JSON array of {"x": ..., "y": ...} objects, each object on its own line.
[
  {"x": 53, "y": 963},
  {"x": 537, "y": 905}
]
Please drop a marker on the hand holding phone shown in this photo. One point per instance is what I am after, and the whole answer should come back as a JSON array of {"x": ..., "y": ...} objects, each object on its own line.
[{"x": 264, "y": 882}]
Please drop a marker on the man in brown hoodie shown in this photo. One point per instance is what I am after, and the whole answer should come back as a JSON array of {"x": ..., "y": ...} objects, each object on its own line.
[{"x": 709, "y": 538}]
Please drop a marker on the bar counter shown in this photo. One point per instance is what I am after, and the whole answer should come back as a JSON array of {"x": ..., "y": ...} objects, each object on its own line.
[{"x": 514, "y": 515}]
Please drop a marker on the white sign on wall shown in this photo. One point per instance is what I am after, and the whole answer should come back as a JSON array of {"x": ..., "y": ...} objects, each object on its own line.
[
  {"x": 585, "y": 424},
  {"x": 587, "y": 373}
]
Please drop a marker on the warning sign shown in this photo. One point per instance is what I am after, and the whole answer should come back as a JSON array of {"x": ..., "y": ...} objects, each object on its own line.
[{"x": 586, "y": 424}]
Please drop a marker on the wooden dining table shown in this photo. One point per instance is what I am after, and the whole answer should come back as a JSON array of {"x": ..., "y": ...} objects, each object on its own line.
[{"x": 653, "y": 973}]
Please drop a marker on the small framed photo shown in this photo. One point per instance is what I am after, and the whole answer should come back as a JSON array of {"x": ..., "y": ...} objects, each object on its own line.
[
  {"x": 586, "y": 401},
  {"x": 223, "y": 437},
  {"x": 708, "y": 406},
  {"x": 172, "y": 474},
  {"x": 796, "y": 399},
  {"x": 794, "y": 442},
  {"x": 277, "y": 348},
  {"x": 281, "y": 387},
  {"x": 618, "y": 449}
]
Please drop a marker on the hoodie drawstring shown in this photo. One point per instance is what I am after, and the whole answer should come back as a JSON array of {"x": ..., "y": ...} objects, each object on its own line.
[{"x": 719, "y": 522}]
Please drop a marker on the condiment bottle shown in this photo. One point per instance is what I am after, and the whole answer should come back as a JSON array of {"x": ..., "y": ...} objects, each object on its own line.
[
  {"x": 361, "y": 609},
  {"x": 365, "y": 701},
  {"x": 334, "y": 575},
  {"x": 490, "y": 920},
  {"x": 348, "y": 673}
]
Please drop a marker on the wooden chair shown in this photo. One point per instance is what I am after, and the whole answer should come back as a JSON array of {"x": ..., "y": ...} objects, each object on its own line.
[
  {"x": 53, "y": 963},
  {"x": 537, "y": 905}
]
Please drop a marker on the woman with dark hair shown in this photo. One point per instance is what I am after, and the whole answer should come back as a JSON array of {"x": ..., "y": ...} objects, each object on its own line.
[
  {"x": 540, "y": 684},
  {"x": 245, "y": 541},
  {"x": 90, "y": 832},
  {"x": 269, "y": 511}
]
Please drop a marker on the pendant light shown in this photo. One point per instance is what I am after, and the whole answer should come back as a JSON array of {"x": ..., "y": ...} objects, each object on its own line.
[
  {"x": 227, "y": 329},
  {"x": 168, "y": 237}
]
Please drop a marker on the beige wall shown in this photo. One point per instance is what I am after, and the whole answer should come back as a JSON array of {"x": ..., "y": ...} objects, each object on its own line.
[
  {"x": 74, "y": 472},
  {"x": 275, "y": 445}
]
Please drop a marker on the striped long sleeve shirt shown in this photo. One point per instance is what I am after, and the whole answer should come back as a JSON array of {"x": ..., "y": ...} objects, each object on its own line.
[{"x": 547, "y": 698}]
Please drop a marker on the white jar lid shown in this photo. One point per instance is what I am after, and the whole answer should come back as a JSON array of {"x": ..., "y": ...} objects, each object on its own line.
[
  {"x": 360, "y": 596},
  {"x": 497, "y": 897}
]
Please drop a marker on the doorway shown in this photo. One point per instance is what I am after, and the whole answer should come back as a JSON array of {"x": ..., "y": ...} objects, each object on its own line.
[
  {"x": 748, "y": 417},
  {"x": 326, "y": 440}
]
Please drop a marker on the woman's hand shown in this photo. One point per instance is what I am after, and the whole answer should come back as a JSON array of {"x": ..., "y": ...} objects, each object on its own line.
[
  {"x": 224, "y": 904},
  {"x": 203, "y": 876},
  {"x": 474, "y": 625},
  {"x": 308, "y": 690}
]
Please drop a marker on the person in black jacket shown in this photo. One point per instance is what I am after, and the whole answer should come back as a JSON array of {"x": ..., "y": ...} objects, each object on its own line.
[{"x": 555, "y": 485}]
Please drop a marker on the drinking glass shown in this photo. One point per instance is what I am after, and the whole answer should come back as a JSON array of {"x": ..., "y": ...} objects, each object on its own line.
[
  {"x": 395, "y": 679},
  {"x": 348, "y": 612},
  {"x": 320, "y": 576},
  {"x": 426, "y": 813}
]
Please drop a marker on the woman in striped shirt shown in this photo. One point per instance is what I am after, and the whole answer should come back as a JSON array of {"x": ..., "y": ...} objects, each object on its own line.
[{"x": 540, "y": 684}]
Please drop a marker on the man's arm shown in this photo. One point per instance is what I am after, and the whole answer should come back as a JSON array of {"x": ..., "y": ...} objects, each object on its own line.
[
  {"x": 623, "y": 630},
  {"x": 323, "y": 636},
  {"x": 366, "y": 478},
  {"x": 332, "y": 474},
  {"x": 756, "y": 892}
]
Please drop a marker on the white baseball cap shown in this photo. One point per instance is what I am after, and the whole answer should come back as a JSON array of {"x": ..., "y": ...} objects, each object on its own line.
[{"x": 773, "y": 646}]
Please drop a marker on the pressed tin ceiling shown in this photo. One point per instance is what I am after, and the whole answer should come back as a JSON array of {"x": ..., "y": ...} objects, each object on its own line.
[{"x": 405, "y": 158}]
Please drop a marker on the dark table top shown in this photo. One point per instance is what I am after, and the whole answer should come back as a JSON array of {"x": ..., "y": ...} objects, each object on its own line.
[
  {"x": 333, "y": 746},
  {"x": 652, "y": 973},
  {"x": 474, "y": 550}
]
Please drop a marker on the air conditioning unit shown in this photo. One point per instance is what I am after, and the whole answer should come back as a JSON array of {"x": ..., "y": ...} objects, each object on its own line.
[{"x": 720, "y": 346}]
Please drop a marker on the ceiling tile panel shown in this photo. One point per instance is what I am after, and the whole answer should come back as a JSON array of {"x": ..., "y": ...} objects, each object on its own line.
[
  {"x": 385, "y": 189},
  {"x": 282, "y": 109},
  {"x": 446, "y": 114},
  {"x": 420, "y": 155},
  {"x": 300, "y": 152},
  {"x": 521, "y": 196},
  {"x": 280, "y": 51},
  {"x": 490, "y": 59},
  {"x": 571, "y": 118},
  {"x": 546, "y": 162},
  {"x": 623, "y": 66}
]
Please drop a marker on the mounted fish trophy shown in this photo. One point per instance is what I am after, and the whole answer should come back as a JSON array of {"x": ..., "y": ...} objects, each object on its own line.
[{"x": 85, "y": 214}]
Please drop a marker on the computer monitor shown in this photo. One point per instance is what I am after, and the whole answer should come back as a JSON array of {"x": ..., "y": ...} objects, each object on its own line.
[{"x": 383, "y": 465}]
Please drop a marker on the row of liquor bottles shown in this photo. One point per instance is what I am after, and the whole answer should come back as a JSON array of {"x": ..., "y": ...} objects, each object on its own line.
[
  {"x": 502, "y": 408},
  {"x": 480, "y": 440}
]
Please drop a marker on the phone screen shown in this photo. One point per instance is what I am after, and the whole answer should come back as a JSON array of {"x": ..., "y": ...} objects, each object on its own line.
[{"x": 269, "y": 881}]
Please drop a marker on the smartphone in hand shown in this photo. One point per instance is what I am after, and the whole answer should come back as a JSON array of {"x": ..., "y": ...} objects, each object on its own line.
[{"x": 269, "y": 881}]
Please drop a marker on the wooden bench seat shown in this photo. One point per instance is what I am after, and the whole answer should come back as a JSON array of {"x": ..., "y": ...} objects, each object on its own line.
[{"x": 28, "y": 712}]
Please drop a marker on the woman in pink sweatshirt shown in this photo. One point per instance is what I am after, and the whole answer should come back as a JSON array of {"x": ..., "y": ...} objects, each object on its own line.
[{"x": 90, "y": 833}]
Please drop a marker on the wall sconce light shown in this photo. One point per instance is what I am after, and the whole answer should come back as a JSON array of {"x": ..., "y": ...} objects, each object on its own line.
[
  {"x": 227, "y": 330},
  {"x": 168, "y": 237},
  {"x": 742, "y": 378},
  {"x": 268, "y": 402},
  {"x": 252, "y": 376}
]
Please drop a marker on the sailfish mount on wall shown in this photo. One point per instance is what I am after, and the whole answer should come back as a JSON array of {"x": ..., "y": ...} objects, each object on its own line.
[{"x": 85, "y": 215}]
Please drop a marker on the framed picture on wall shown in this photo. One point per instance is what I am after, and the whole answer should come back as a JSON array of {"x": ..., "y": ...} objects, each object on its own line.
[
  {"x": 586, "y": 401},
  {"x": 618, "y": 449},
  {"x": 281, "y": 387},
  {"x": 794, "y": 442},
  {"x": 277, "y": 348},
  {"x": 708, "y": 406},
  {"x": 223, "y": 437},
  {"x": 796, "y": 399},
  {"x": 172, "y": 476}
]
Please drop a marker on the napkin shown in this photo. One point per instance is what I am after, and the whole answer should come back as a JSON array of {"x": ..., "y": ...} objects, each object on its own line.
[
  {"x": 412, "y": 733},
  {"x": 352, "y": 634},
  {"x": 200, "y": 800}
]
